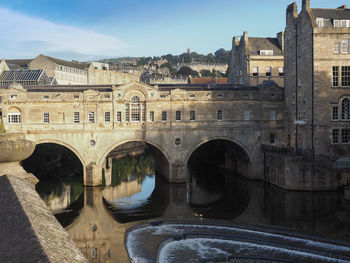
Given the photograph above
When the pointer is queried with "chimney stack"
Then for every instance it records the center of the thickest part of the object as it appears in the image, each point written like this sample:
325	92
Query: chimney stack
306	4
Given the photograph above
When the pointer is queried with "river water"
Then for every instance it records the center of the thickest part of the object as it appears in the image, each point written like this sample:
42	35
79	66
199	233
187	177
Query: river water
97	218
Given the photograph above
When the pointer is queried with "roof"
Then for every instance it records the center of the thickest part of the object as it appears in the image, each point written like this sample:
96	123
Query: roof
78	65
208	80
23	63
21	75
329	13
263	43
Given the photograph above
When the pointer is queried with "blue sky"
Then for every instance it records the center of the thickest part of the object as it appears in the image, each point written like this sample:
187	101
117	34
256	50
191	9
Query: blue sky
87	29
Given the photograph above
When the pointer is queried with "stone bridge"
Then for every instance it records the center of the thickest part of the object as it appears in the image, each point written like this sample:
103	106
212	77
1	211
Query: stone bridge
91	121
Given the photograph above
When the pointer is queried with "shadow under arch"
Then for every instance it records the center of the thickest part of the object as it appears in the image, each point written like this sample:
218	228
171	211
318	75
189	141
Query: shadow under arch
64	145
218	138
162	159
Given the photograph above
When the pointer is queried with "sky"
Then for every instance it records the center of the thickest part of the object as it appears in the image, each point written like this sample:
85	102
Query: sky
88	30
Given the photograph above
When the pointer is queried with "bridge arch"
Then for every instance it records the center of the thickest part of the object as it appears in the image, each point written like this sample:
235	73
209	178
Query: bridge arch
77	154
194	148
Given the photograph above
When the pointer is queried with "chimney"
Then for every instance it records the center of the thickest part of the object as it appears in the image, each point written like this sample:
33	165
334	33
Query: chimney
235	41
280	38
306	4
342	7
292	14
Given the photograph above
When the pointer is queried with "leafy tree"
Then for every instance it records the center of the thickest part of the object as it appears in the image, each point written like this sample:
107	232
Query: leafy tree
205	73
2	128
187	71
222	56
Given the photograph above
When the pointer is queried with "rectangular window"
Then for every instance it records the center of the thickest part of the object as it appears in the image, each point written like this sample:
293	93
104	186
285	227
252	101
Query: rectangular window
335	136
13	97
46	97
162	96
345	76
178	115
293	99
219	115
127	118
268	71
335	113
192	115
0	99
272	115
345	46
255	71
143	111
336	23
246	115
336	49
91	117
272	139
281	71
76	117
345	135
319	21
107	116
76	96
119	116
151	115
46	117
164	116
14	117
335	71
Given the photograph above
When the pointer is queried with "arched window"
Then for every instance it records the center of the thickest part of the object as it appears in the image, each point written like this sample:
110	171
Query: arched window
14	115
135	108
345	109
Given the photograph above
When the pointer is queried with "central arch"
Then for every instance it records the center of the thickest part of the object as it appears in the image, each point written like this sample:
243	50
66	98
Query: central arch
162	167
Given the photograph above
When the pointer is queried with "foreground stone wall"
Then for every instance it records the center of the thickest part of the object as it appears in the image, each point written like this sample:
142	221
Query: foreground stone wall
29	231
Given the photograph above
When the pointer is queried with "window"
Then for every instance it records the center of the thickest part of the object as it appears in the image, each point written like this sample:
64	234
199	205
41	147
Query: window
46	97
335	136
151	115
91	117
107	116
46	117
192	96
272	139
76	96
164	116
345	109
272	115
119	116
336	23
14	117
255	71
127	112
335	76
192	115
162	96
268	71
345	76
246	115
13	97
336	49
219	115
107	96
220	95
0	99
345	135
178	115
76	117
281	71
266	52
335	113
293	99
143	111
345	46
135	109
320	22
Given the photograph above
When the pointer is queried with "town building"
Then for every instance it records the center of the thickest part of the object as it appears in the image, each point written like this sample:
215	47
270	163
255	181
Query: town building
26	77
317	81
257	59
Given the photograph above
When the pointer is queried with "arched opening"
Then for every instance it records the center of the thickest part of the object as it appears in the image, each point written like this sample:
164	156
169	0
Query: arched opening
129	173
60	174
14	115
345	109
213	178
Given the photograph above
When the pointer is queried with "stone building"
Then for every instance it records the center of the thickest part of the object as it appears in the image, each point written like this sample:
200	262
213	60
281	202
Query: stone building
26	77
257	59
317	80
65	72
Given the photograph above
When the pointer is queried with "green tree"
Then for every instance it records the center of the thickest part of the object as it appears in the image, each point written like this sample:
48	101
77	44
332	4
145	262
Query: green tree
205	73
222	56
186	71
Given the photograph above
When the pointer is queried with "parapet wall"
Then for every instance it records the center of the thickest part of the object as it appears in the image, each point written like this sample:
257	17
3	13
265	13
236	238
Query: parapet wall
29	231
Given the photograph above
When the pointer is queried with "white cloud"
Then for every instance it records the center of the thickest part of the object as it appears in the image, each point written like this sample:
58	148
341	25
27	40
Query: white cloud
25	36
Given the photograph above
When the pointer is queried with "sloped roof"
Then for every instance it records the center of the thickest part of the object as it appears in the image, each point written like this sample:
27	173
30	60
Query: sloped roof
23	63
263	43
329	13
21	75
78	65
208	80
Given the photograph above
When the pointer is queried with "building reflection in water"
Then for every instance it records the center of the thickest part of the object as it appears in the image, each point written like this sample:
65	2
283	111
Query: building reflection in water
98	217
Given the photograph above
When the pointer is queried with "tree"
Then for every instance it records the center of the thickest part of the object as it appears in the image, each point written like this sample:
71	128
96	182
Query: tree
205	73
187	71
222	56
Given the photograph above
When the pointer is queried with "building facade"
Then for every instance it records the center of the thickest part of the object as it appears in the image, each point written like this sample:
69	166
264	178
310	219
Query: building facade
257	59
317	80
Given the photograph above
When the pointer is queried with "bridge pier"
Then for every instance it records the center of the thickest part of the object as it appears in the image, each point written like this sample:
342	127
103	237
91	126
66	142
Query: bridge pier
93	174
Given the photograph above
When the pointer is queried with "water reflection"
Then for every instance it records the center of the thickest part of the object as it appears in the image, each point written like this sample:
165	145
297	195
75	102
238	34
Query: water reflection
97	218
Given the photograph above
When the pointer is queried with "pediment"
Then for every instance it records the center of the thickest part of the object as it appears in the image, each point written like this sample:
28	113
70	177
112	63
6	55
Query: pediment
15	87
91	92
132	87
178	91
